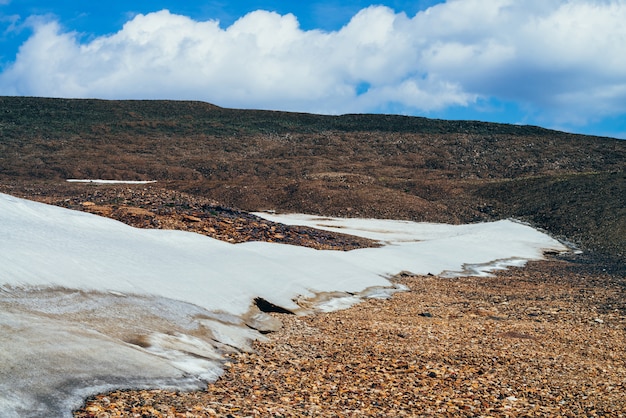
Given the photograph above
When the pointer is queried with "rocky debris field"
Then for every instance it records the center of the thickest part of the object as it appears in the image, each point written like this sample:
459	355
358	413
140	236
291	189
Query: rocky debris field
148	206
545	340
379	166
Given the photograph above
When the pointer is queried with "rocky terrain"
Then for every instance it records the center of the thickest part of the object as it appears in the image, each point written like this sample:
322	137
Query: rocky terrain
148	206
545	340
353	165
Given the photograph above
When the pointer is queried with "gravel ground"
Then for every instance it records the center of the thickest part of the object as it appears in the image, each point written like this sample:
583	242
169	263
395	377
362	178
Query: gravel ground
544	340
154	207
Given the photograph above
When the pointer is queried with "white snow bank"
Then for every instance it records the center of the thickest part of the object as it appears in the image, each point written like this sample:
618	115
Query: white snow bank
88	303
441	249
100	181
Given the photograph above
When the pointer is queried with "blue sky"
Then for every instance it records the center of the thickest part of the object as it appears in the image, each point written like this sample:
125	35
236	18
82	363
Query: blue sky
555	63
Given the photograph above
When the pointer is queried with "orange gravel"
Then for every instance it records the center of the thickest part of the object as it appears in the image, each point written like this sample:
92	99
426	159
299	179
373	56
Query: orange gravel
544	340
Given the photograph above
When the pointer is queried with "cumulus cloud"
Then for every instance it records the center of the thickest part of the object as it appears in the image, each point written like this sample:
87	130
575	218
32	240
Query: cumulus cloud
565	58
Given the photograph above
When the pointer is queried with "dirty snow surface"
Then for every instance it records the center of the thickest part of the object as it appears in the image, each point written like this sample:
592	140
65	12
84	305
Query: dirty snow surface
88	304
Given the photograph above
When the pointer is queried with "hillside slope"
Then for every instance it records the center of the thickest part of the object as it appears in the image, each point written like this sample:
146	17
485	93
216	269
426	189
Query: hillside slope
352	165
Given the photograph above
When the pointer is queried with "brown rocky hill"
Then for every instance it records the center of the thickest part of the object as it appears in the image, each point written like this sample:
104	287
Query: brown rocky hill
389	166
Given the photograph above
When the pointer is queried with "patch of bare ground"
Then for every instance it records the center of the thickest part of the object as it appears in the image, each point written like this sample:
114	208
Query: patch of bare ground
154	207
381	166
545	340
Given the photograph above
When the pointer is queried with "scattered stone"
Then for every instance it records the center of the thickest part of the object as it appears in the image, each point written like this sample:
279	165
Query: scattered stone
154	207
364	361
374	359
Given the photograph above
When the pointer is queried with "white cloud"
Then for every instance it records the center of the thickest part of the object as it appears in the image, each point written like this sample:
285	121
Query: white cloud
262	60
567	59
562	57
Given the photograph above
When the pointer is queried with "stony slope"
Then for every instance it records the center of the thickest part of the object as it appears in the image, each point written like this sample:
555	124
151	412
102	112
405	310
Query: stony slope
352	165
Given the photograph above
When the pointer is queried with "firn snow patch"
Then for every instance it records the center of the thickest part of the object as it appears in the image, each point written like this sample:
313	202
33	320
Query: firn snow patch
90	304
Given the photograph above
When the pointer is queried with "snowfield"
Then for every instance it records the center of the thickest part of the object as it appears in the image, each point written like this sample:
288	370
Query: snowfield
90	304
100	181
